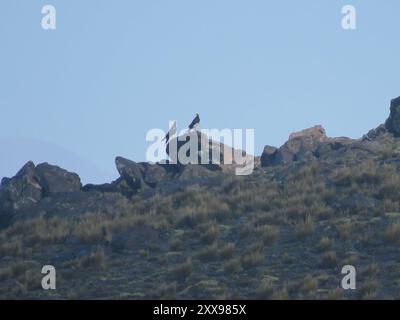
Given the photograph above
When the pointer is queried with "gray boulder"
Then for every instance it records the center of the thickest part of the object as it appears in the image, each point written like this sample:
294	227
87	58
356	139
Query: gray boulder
305	145
196	148
154	174
268	156
54	179
333	144
21	191
23	194
140	175
374	134
393	122
191	148
131	172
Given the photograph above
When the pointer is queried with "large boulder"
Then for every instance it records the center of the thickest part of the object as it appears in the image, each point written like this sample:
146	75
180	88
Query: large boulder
154	174
130	171
268	156
22	194
54	179
305	145
21	191
196	148
140	175
330	145
301	146
192	148
393	122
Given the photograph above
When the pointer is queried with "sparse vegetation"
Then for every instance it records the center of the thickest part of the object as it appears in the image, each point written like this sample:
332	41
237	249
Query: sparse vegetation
309	286
253	259
305	228
368	290
265	290
392	233
329	260
269	234
325	244
182	271
232	266
298	225
95	259
227	251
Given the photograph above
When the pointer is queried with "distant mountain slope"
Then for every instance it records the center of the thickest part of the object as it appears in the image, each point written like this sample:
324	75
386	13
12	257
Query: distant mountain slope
16	151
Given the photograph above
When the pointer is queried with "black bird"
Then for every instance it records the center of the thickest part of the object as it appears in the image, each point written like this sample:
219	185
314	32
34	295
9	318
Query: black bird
170	133
195	122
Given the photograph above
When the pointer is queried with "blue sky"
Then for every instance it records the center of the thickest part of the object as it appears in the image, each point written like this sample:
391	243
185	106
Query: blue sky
112	70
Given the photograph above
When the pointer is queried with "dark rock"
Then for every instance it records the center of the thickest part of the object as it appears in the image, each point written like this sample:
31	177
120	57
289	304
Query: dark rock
54	180
196	148
393	122
375	133
72	204
21	191
332	144
268	155
131	172
140	175
105	187
154	174
118	186
23	195
192	141
205	151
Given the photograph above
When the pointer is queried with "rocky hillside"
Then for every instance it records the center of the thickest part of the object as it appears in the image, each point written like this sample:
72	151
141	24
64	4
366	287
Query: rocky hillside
199	231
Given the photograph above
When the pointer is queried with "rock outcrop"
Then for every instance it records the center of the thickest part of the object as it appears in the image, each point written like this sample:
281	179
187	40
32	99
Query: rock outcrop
301	145
195	147
305	145
32	184
140	175
393	122
46	190
55	180
21	191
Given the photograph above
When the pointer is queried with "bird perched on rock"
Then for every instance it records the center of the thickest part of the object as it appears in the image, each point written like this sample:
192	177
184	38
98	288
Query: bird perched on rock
195	122
170	133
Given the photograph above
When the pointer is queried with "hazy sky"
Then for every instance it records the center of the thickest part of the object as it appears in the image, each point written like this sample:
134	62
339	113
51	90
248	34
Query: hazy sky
112	70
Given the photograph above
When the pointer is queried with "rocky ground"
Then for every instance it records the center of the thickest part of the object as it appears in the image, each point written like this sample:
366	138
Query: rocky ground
199	231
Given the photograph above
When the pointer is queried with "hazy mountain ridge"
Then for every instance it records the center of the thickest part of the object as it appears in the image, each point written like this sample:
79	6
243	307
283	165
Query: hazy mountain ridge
17	150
